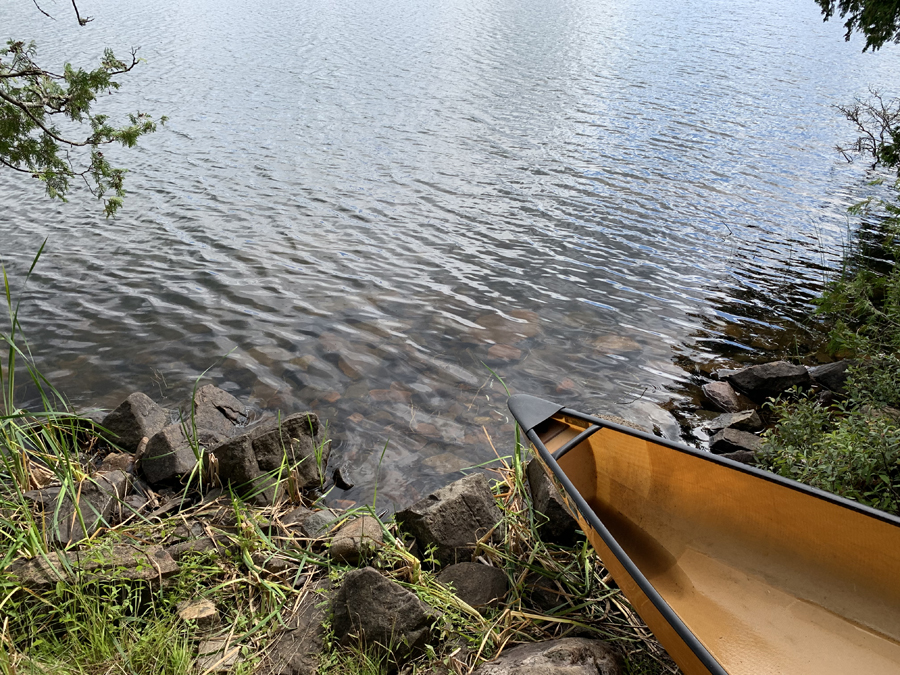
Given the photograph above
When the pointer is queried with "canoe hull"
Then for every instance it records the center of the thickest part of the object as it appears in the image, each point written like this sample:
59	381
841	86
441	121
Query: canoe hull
734	570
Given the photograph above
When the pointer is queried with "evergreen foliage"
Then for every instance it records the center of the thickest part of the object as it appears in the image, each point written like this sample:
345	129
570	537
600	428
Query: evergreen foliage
35	103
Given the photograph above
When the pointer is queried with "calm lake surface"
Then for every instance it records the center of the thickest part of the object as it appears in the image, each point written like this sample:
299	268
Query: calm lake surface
358	207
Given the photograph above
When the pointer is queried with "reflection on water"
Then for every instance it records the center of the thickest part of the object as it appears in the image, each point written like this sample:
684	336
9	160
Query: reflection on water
366	205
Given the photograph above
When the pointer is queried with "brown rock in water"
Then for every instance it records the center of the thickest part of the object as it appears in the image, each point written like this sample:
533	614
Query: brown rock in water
503	352
566	656
723	396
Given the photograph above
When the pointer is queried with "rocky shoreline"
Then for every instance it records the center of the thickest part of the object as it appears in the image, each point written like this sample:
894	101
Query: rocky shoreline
175	478
741	394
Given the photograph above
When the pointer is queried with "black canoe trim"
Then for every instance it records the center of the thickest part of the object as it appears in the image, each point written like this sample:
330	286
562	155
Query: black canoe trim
646	587
530	411
534	406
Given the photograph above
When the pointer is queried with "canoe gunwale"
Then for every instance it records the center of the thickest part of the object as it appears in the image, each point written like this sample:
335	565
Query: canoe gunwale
532	404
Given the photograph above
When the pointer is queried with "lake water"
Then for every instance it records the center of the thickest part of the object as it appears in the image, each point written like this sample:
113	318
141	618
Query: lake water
358	207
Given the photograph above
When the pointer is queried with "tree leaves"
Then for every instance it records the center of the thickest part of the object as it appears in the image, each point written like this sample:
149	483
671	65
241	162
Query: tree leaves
33	102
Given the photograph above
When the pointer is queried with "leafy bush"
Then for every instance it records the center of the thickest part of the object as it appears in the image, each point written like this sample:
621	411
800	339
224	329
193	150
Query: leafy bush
852	448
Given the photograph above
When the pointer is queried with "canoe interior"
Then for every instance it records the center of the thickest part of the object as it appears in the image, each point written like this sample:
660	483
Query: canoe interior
769	578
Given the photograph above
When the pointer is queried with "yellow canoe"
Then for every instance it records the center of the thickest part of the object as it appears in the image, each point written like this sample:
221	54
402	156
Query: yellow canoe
736	571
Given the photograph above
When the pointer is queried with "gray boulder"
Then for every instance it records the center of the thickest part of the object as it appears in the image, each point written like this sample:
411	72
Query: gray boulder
217	410
169	454
96	504
747	420
558	526
258	461
566	656
136	417
769	379
723	396
454	518
318	523
475	584
381	614
832	376
291	440
732	440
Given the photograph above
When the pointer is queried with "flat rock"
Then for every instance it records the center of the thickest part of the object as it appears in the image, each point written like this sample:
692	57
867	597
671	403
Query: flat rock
566	656
454	518
150	563
832	376
475	584
217	656
379	613
137	416
297	650
732	440
557	525
747	420
357	540
768	379
723	396
202	611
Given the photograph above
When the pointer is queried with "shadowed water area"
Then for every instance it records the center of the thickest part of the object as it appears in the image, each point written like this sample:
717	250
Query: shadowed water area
363	203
